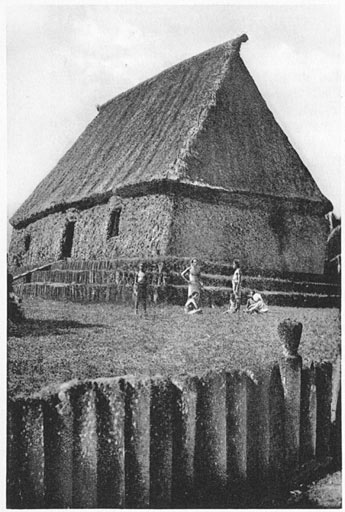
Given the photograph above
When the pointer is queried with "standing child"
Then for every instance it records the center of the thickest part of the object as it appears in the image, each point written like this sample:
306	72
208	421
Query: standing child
236	285
140	289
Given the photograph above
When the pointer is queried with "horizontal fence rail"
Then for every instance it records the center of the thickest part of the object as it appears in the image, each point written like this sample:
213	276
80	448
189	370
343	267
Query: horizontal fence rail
112	281
222	439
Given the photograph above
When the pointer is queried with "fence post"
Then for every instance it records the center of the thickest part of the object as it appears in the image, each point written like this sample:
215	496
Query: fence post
290	333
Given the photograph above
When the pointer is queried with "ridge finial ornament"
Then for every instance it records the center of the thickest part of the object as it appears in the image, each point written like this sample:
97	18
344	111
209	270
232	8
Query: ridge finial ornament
236	43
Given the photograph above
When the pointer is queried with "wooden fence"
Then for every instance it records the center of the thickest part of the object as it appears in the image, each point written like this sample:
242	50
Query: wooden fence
223	439
112	281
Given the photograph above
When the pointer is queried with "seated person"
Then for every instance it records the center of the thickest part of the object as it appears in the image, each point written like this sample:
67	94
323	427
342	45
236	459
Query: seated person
233	303
192	304
255	303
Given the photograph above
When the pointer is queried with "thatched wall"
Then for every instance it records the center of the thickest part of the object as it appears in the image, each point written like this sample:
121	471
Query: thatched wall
143	231
264	235
46	235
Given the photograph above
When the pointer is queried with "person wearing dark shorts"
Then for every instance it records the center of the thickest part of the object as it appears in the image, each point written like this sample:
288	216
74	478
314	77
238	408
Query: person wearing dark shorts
140	289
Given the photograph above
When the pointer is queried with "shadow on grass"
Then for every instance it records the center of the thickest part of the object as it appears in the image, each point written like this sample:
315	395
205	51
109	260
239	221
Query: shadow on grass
28	327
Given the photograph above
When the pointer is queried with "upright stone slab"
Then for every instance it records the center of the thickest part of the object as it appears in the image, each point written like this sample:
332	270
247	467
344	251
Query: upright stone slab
236	398
29	452
184	441
336	385
252	432
137	442
14	420
265	433
84	446
336	438
110	412
161	442
323	417
258	429
211	454
277	444
308	415
290	368
58	449
336	412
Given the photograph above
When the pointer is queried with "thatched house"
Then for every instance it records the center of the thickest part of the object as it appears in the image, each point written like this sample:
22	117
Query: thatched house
189	162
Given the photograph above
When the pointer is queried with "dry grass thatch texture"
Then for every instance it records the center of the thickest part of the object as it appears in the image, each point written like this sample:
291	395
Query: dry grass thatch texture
202	121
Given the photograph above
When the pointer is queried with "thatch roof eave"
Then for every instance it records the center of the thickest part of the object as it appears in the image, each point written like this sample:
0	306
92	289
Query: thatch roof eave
194	190
81	204
204	191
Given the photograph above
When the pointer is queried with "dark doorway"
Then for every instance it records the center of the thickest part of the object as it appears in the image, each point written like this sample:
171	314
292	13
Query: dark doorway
67	241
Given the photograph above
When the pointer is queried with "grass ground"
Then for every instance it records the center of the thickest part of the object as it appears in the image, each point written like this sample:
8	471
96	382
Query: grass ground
60	341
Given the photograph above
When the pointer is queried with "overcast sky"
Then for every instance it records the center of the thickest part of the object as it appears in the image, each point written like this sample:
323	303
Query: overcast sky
64	60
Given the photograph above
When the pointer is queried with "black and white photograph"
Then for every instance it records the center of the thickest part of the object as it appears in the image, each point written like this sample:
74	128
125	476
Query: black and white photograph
173	249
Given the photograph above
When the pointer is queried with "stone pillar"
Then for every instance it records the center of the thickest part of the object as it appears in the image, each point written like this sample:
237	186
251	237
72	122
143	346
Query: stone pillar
58	449
336	385
336	413
277	448
308	415
84	446
110	410
236	398
184	441
258	428
137	442
13	454
323	417
290	368
211	455
31	454
161	443
265	433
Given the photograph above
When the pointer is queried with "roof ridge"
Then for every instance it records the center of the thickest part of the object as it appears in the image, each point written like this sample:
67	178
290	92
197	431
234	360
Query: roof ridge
180	165
234	45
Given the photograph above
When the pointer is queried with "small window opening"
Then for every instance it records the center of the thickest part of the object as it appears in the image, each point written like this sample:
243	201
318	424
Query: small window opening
114	223
27	242
67	241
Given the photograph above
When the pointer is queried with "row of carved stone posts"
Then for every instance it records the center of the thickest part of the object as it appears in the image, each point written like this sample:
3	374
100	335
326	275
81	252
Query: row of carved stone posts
222	439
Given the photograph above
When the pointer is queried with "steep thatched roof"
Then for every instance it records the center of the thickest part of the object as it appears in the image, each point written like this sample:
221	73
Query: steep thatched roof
201	122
